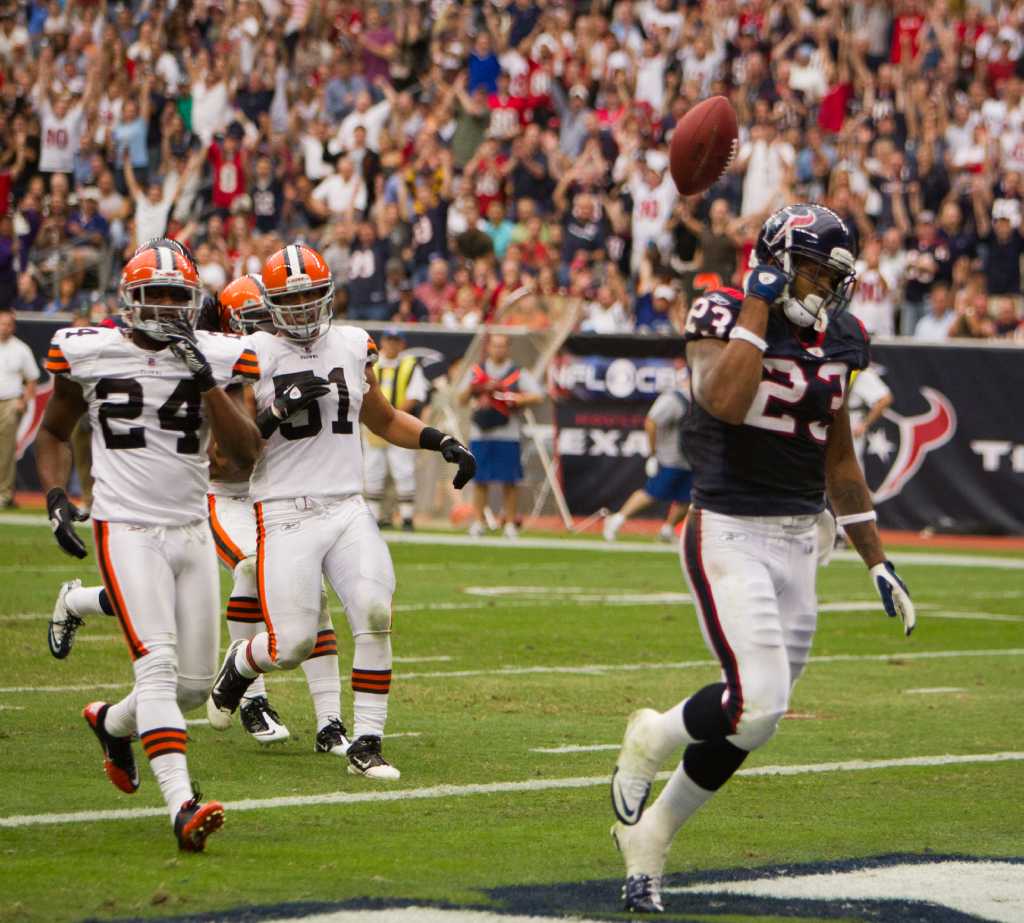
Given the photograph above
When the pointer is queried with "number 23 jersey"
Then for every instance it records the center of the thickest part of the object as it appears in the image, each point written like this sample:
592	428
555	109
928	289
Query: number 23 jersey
149	432
773	463
317	452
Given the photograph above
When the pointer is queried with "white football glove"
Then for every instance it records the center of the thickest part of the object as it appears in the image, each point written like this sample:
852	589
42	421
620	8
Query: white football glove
651	467
895	595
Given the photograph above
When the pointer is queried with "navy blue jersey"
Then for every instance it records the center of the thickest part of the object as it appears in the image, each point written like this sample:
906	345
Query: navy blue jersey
773	463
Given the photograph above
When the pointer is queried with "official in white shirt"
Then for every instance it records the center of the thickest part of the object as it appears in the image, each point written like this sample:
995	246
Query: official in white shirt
18	374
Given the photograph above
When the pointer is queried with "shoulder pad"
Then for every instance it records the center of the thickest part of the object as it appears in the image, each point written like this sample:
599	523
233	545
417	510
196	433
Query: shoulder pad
713	315
359	341
72	345
231	357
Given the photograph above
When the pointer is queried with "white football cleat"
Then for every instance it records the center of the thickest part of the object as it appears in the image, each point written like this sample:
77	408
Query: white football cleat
63	624
365	759
644	855
511	532
639	760
261	721
228	689
666	534
612	525
476	529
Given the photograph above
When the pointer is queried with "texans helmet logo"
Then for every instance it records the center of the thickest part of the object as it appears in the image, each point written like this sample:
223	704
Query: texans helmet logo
918	435
794	219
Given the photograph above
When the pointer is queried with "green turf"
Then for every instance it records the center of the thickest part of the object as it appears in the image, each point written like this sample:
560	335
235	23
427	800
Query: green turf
480	729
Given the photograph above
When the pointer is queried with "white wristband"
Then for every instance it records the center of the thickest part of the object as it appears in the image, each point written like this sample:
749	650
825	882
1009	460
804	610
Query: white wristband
853	518
741	333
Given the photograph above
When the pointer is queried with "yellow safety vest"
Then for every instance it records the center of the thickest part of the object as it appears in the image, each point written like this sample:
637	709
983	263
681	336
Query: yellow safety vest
394	382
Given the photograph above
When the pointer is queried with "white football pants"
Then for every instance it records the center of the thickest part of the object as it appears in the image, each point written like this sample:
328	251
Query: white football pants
753	584
233	525
298	541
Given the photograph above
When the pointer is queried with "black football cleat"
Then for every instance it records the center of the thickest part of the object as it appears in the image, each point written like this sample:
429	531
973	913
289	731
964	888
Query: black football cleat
365	759
195	822
408	526
332	738
228	689
642	894
118	758
261	721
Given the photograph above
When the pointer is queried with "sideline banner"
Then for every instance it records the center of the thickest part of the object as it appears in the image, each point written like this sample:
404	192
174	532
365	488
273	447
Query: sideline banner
948	455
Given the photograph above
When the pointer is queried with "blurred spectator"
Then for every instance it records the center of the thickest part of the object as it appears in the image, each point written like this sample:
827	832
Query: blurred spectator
18	375
69	299
516	131
30	297
873	302
938	322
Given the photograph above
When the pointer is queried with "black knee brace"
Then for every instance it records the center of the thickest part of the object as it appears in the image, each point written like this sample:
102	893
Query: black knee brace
711	763
704	716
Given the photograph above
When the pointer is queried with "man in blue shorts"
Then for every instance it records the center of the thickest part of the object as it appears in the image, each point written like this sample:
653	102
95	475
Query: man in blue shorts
668	470
499	390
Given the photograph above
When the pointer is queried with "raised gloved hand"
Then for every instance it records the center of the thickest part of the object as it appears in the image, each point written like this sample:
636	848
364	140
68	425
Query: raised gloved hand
768	283
294	398
183	344
651	467
895	595
63	516
455	453
452	451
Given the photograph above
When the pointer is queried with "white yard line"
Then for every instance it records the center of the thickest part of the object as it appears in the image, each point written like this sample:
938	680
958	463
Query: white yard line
934	690
578	748
568	544
496	788
595	669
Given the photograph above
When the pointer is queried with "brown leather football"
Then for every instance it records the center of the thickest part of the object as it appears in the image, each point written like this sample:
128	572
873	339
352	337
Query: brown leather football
703	145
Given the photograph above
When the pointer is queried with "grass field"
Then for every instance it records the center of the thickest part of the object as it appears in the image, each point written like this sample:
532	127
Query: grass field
503	653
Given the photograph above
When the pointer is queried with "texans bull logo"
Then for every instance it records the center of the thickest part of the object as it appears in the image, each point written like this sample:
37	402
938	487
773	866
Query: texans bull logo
794	219
915	435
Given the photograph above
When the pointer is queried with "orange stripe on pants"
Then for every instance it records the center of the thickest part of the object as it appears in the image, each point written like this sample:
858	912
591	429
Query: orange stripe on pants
261	556
101	530
227	550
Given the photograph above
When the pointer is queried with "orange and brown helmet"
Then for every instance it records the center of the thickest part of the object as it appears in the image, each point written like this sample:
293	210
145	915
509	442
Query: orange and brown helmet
160	290
242	305
300	292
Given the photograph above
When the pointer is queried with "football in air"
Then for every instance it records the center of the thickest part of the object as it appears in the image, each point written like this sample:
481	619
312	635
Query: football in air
703	145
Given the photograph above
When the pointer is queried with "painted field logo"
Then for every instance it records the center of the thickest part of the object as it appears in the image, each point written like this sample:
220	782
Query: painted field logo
929	889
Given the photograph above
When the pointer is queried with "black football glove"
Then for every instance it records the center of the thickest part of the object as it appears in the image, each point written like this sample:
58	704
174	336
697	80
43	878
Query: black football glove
294	398
63	516
455	453
185	347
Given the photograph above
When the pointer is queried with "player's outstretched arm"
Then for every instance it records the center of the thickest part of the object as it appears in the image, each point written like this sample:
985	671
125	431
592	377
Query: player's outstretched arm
851	500
403	429
53	461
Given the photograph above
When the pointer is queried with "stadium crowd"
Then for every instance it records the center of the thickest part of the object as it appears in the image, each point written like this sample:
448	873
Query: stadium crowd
504	161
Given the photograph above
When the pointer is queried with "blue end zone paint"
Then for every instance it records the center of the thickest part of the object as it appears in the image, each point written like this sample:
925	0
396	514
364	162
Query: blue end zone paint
600	899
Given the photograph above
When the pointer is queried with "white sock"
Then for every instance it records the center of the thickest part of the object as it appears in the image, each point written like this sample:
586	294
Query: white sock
171	771
120	717
324	681
244	631
257	652
85	600
672	730
678	802
406	508
371	683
